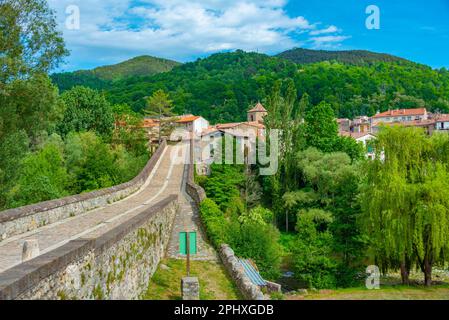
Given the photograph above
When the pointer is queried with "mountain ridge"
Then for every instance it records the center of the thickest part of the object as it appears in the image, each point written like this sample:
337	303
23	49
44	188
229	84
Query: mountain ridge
352	57
102	77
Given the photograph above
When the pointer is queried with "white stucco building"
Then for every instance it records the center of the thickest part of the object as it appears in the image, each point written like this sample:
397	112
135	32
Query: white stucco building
193	124
442	123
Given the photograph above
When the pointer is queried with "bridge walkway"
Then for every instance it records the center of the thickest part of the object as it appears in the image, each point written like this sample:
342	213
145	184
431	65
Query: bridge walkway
166	179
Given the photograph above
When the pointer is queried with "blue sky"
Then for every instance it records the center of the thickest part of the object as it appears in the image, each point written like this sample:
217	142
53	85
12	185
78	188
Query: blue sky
115	30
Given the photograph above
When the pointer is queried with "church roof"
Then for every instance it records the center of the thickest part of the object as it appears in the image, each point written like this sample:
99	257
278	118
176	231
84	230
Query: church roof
258	108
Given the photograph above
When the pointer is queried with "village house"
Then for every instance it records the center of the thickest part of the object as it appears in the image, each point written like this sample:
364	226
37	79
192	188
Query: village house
363	138
245	132
363	129
191	123
442	122
344	125
361	124
400	115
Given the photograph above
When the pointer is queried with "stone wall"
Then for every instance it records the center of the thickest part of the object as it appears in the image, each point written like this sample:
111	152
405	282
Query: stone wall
193	190
116	265
235	269
23	219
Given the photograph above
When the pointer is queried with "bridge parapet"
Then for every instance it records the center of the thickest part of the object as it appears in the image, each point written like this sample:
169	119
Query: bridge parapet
114	265
20	220
193	190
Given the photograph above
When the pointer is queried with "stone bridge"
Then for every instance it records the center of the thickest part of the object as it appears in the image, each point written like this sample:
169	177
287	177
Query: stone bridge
105	244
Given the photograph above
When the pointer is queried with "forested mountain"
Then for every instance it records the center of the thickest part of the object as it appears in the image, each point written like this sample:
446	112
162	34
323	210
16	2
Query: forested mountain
223	86
353	57
102	77
138	66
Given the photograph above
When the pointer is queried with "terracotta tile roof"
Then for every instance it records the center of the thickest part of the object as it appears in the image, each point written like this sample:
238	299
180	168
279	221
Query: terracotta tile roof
442	117
187	119
228	125
414	123
150	123
258	108
355	135
209	130
401	112
255	124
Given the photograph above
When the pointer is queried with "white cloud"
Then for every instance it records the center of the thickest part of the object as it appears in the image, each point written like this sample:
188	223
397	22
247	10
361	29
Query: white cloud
114	30
331	29
328	42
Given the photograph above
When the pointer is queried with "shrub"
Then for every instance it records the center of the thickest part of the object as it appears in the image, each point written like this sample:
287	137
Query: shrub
312	252
42	176
214	221
260	243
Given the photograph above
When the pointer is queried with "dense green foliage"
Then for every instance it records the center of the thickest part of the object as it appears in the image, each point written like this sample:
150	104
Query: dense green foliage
138	66
312	250
86	110
406	201
223	86
317	178
42	176
228	220
354	57
29	47
103	77
82	162
29	41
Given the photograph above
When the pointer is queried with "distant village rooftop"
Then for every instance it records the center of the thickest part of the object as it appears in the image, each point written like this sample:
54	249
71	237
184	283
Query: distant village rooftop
188	118
401	112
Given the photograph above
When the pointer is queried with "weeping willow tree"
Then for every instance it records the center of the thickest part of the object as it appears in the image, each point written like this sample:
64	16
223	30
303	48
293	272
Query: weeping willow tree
405	201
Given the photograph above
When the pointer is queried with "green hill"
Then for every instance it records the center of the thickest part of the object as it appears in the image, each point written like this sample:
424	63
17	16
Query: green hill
139	66
102	77
353	57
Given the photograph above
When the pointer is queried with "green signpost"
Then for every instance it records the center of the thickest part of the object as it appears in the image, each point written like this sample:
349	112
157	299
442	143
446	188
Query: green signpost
192	239
187	246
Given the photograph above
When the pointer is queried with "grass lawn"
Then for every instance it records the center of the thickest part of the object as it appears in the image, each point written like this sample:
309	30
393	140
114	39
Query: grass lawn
214	281
384	293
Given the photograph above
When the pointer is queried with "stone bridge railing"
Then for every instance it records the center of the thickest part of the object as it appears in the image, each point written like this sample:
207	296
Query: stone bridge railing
115	265
193	190
24	219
